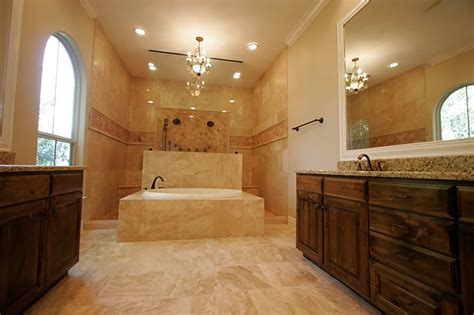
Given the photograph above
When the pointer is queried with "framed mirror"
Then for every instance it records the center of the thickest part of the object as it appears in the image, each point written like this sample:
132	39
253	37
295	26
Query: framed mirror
10	25
407	78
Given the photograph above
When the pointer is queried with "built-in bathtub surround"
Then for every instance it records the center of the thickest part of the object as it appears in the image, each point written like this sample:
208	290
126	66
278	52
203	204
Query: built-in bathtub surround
462	164
191	130
145	217
7	157
193	169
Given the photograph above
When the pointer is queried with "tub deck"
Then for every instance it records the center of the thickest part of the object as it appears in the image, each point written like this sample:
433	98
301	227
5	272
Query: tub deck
145	218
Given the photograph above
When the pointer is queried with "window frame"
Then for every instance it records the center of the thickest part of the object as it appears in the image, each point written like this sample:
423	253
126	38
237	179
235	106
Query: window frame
437	130
68	46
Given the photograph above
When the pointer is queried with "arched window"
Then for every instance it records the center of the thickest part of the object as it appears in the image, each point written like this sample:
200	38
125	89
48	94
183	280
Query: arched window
58	110
456	114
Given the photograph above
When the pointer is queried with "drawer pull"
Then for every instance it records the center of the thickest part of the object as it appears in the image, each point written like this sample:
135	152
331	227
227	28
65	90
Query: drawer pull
403	257
401	226
400	196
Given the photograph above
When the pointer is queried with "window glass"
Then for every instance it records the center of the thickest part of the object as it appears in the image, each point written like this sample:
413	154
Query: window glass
457	114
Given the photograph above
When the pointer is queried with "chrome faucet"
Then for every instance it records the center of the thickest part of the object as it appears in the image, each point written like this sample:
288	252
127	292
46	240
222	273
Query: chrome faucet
154	182
369	163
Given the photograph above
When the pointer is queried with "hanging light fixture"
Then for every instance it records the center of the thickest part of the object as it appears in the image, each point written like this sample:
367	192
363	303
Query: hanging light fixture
198	64
357	80
195	87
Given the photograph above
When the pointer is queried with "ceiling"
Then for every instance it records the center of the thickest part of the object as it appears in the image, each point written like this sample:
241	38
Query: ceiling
411	33
226	25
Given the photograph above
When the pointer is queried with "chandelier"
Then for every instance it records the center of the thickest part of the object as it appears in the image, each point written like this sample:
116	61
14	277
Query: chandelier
198	65
357	80
195	87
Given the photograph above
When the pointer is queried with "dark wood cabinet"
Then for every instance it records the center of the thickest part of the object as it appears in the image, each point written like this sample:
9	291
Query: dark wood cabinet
63	232
21	253
346	246
407	245
39	235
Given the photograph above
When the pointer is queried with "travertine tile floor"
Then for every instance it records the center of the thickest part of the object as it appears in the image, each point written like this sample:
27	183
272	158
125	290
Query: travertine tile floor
254	275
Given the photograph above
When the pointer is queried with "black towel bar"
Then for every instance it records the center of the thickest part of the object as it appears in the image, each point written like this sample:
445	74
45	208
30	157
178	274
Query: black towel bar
297	128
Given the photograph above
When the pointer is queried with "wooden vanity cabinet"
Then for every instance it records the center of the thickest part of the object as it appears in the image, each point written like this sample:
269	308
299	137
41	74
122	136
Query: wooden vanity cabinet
39	234
465	197
346	248
309	228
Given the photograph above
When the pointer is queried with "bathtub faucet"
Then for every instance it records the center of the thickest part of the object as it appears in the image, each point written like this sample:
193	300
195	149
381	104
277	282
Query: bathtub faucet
154	182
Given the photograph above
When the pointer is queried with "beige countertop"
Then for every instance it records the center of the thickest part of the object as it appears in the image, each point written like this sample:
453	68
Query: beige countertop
12	168
463	176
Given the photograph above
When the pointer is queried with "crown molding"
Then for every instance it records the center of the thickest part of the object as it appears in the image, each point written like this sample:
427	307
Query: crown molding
89	8
305	21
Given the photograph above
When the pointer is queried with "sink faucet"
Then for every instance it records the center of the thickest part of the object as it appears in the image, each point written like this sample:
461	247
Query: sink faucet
154	182
369	163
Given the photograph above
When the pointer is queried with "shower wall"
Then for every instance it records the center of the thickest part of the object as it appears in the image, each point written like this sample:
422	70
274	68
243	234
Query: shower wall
191	130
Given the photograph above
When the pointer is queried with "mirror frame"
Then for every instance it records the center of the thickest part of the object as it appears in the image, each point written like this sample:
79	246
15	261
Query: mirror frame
428	148
13	54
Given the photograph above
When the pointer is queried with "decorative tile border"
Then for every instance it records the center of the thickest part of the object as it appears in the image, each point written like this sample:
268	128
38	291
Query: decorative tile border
7	157
276	132
106	126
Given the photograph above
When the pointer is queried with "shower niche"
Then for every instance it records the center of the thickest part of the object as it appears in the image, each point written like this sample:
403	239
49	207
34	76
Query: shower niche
191	130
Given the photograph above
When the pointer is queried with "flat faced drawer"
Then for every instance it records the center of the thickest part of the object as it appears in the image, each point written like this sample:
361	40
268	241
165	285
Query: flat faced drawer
63	183
429	232
309	196
466	204
395	293
352	189
22	188
429	199
422	264
309	183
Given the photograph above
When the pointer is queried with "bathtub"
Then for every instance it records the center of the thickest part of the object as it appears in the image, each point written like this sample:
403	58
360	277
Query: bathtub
189	213
192	193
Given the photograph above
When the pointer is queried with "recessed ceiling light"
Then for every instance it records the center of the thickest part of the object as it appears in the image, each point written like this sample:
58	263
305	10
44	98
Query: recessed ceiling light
237	75
393	65
148	90
150	102
224	111
140	31
193	108
232	101
191	116
153	68
151	64
252	46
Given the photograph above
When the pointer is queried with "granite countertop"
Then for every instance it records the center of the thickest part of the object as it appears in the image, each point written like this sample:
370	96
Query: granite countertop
11	168
465	176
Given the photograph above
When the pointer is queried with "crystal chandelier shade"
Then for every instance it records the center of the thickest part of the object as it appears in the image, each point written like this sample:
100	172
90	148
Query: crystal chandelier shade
198	64
357	80
195	87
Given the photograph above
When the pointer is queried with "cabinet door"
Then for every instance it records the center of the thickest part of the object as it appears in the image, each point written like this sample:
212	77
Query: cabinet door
346	242
310	227
21	254
63	235
466	246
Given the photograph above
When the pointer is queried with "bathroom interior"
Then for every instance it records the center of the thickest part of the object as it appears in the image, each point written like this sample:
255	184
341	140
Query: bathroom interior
236	157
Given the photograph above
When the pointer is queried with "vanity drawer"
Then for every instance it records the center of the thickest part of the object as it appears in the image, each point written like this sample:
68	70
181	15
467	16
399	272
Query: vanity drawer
309	196
427	266
352	189
433	233
309	183
15	189
63	183
395	293
429	199
466	204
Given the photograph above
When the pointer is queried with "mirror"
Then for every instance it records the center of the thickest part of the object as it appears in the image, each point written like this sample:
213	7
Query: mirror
409	72
5	18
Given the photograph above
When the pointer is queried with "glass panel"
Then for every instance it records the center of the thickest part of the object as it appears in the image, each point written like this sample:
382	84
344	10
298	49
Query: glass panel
63	153
45	152
454	120
57	91
470	101
5	18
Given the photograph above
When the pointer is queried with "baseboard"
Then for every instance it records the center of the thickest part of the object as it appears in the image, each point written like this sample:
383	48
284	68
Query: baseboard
100	224
291	221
